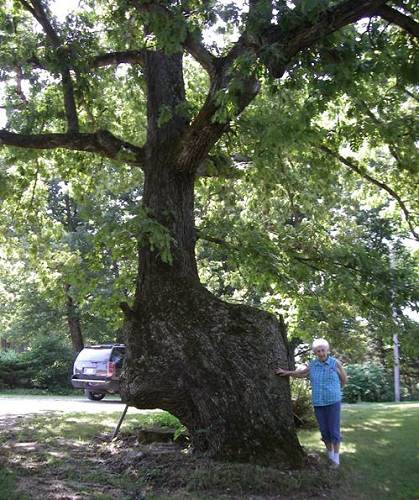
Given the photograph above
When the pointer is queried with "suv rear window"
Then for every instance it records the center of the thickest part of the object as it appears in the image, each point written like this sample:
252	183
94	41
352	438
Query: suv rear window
89	354
118	355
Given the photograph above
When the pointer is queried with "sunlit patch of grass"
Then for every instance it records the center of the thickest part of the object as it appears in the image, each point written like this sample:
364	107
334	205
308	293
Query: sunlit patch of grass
247	479
163	419
82	426
8	486
379	449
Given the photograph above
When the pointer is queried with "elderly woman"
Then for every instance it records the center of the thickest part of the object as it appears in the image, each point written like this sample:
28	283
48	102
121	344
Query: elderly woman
327	376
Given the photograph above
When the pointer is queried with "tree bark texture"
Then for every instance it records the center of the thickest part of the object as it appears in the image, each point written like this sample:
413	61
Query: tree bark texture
73	318
208	362
73	321
212	364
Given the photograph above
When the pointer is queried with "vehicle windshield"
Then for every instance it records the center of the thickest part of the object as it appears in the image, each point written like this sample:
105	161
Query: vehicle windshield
89	354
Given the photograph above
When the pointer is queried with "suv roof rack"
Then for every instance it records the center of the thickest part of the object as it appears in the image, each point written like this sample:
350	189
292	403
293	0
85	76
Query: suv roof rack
100	346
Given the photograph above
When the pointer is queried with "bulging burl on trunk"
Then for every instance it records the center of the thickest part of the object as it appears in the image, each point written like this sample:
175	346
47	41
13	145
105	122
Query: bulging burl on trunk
211	364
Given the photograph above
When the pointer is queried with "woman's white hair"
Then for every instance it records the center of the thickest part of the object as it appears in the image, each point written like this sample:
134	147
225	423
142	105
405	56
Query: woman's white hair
320	343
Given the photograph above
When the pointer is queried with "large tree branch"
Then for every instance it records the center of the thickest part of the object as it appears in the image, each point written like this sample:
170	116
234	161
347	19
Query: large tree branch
115	58
194	45
294	33
404	22
258	22
37	10
276	45
101	142
206	128
352	165
98	61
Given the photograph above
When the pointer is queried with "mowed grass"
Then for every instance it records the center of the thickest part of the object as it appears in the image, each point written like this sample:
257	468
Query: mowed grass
380	450
70	455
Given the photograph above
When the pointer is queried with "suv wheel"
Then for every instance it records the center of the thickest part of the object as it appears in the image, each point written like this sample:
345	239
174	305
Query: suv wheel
94	396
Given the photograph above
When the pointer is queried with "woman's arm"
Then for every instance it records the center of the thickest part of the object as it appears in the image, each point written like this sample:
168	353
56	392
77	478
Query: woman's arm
301	373
341	372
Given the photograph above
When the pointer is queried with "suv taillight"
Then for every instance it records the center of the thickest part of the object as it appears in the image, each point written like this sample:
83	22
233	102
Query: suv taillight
111	369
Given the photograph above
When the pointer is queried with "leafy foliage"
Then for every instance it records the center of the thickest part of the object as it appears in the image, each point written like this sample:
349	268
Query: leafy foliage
47	365
301	404
368	382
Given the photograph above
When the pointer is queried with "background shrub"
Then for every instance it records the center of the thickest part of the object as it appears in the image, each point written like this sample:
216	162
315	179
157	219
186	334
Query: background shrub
15	370
368	382
47	365
301	404
52	363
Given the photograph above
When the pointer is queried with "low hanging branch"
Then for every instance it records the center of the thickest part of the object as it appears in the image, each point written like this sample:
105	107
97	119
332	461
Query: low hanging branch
101	60
101	142
356	168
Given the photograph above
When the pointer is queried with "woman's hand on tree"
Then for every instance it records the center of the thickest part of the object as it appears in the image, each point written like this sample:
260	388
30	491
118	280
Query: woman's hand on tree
282	372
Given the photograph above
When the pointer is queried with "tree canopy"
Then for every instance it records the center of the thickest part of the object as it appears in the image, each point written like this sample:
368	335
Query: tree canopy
330	148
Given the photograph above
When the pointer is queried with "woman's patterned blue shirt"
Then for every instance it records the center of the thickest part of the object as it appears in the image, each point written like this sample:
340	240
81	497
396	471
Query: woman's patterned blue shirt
325	382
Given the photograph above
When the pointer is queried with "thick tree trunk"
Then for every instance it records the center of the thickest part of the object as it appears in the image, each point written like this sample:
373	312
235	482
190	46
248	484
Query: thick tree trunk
211	364
208	362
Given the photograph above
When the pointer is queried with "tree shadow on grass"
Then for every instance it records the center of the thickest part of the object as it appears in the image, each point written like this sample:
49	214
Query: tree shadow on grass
71	456
56	456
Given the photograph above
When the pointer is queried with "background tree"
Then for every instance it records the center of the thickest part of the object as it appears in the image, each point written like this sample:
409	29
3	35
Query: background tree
95	260
207	361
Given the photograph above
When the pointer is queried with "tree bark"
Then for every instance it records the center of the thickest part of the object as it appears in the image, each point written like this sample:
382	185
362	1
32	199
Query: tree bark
211	364
73	318
73	321
206	361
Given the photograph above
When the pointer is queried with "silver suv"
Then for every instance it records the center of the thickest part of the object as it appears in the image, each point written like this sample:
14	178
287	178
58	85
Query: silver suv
97	369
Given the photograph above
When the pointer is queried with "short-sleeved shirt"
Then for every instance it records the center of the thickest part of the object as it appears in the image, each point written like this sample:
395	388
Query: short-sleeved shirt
325	382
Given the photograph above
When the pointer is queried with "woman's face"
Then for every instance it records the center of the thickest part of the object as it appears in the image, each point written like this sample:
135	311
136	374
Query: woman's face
321	352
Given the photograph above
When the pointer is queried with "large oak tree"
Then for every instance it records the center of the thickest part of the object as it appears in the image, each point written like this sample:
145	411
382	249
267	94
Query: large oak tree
207	361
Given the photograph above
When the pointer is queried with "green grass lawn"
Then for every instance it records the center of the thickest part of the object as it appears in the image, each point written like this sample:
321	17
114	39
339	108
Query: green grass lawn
380	450
68	391
70	454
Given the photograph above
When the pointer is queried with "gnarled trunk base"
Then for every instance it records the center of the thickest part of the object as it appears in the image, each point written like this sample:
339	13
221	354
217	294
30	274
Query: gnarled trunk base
212	364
